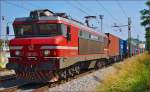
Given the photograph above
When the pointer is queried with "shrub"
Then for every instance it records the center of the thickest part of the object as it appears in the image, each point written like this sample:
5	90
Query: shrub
133	75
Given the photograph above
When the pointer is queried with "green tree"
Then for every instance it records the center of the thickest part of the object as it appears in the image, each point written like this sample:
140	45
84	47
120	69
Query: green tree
146	23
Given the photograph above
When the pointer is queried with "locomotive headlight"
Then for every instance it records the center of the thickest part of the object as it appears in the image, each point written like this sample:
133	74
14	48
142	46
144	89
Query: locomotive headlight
46	52
17	53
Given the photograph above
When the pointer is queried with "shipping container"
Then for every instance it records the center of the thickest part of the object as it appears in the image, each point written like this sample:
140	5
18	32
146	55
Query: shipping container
122	48
141	47
125	51
113	47
134	50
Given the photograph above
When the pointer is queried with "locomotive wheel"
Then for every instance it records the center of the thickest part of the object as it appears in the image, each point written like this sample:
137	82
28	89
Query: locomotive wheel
63	74
71	72
99	64
77	69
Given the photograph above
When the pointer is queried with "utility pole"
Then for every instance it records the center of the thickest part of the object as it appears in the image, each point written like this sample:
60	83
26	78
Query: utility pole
4	39
138	42
129	34
101	18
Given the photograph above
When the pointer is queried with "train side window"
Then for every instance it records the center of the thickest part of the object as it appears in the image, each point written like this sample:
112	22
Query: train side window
89	35
94	37
101	38
80	33
64	29
98	38
86	35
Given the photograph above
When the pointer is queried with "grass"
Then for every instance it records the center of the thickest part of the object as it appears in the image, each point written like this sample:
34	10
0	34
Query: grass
132	75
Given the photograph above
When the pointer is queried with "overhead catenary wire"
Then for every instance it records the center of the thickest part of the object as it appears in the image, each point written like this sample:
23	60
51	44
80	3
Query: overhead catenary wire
101	5
88	9
81	10
33	5
16	5
122	9
27	9
85	8
124	12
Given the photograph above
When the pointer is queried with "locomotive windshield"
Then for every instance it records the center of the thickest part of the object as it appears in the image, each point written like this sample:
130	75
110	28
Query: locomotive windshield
22	30
37	30
48	29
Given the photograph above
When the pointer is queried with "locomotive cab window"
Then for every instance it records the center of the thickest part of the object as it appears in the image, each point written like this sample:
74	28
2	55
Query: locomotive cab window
37	30
49	29
23	30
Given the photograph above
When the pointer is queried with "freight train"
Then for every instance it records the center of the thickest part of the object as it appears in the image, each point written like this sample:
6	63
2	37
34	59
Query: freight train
51	46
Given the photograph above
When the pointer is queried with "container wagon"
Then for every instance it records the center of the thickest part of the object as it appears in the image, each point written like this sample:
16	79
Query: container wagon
122	49
113	47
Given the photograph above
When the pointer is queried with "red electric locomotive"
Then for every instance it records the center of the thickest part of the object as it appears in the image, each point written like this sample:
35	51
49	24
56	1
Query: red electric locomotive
51	46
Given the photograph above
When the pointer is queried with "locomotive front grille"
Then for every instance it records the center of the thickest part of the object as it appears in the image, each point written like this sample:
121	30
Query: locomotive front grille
31	54
37	77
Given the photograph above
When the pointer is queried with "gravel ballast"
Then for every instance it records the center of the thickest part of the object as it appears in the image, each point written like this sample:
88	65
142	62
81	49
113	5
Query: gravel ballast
87	83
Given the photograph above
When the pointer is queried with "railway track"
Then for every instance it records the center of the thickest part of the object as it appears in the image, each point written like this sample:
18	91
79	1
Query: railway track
14	88
10	89
46	86
42	88
7	77
9	83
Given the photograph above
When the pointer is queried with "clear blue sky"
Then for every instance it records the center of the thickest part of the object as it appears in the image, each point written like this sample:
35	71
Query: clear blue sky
113	12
